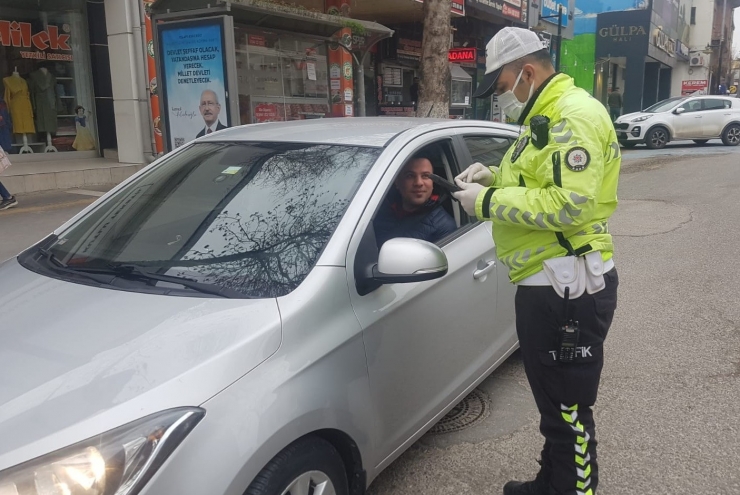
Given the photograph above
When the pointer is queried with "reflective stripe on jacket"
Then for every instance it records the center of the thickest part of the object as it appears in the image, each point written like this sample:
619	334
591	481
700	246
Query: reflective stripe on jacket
555	201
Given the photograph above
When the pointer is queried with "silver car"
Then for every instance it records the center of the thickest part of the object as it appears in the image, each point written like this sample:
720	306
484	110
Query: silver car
699	118
224	322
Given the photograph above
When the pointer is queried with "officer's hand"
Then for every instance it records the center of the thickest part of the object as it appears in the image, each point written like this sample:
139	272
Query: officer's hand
478	173
468	195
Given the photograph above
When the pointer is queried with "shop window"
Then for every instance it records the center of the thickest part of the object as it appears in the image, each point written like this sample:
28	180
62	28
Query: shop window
47	97
281	77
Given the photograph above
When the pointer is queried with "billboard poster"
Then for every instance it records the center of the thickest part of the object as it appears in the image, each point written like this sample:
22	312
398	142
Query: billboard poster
550	10
193	66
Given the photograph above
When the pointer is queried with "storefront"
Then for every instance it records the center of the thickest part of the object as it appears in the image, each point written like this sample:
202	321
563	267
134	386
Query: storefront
252	62
47	102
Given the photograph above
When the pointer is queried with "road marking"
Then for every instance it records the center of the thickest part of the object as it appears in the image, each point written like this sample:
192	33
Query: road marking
55	206
85	192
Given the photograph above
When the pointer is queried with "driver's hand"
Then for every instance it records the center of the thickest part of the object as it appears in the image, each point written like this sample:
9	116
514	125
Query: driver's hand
477	173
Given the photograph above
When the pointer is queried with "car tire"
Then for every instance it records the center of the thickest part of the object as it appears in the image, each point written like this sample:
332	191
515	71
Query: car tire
731	136
657	138
628	145
308	462
701	142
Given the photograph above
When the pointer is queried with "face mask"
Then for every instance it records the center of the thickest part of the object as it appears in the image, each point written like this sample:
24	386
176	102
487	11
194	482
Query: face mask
510	104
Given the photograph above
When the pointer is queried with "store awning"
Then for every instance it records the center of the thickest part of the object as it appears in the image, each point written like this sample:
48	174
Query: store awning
276	16
458	73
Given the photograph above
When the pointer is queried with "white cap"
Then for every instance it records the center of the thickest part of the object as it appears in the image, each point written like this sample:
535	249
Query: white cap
509	44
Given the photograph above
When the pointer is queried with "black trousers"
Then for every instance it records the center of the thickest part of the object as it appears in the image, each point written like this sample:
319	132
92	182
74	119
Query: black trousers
565	392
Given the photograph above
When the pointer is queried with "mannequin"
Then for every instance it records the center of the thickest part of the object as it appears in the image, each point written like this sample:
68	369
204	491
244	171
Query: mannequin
42	84
21	112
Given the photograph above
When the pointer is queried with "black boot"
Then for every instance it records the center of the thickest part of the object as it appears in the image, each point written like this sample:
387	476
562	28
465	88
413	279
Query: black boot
538	486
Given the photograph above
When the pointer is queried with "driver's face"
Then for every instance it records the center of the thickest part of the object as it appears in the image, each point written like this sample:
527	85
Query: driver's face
209	107
414	183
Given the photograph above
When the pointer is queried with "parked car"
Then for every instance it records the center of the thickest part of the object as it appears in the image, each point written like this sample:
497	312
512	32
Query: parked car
699	118
223	322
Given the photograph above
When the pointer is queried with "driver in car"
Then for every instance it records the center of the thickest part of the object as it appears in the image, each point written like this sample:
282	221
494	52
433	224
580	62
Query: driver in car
412	208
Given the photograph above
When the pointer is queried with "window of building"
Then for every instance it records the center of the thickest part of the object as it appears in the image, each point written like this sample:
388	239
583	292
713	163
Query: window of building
46	93
280	77
693	15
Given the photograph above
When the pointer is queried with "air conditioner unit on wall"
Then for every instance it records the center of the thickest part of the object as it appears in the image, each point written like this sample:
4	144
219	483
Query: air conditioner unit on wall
697	60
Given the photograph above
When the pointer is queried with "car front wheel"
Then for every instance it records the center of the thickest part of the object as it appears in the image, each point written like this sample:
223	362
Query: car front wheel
657	138
731	136
309	466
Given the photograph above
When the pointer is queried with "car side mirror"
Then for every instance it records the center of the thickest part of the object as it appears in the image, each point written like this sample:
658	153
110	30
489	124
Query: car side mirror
403	260
679	110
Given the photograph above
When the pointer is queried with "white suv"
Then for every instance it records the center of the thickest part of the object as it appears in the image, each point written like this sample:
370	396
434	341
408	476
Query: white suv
699	118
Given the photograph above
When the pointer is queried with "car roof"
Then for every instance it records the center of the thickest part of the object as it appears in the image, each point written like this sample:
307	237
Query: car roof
355	131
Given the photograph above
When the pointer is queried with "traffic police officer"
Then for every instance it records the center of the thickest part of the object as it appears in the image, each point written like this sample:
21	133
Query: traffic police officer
549	202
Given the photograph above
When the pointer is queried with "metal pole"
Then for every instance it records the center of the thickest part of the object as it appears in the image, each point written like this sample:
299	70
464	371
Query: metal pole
721	44
560	37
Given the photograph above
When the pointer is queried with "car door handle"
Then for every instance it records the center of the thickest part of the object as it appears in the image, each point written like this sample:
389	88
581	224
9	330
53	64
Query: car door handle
490	266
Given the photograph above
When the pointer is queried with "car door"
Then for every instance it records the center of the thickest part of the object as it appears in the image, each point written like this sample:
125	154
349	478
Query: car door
426	342
688	124
715	114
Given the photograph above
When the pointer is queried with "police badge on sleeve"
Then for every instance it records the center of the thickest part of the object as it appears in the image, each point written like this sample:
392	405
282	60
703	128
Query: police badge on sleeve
577	159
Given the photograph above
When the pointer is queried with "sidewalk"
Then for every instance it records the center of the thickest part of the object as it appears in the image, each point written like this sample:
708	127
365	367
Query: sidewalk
22	177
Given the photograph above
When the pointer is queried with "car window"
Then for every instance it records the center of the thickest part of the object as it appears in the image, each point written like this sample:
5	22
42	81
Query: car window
715	104
434	220
664	105
692	106
488	150
253	217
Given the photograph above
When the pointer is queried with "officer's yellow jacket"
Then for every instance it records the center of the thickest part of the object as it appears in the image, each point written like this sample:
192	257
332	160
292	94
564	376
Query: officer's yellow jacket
555	201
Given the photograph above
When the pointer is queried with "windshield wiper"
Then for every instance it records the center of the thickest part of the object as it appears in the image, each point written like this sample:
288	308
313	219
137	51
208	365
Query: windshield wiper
133	271
61	266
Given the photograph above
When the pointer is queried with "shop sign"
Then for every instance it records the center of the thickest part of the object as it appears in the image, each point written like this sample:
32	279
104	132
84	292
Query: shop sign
622	34
682	51
550	8
501	8
663	41
193	69
694	86
459	55
458	6
408	49
265	112
21	35
256	40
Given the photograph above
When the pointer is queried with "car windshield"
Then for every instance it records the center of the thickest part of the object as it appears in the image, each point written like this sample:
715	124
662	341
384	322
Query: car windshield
665	105
249	217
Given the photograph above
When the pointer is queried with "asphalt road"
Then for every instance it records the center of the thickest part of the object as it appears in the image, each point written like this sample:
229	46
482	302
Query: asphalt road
667	412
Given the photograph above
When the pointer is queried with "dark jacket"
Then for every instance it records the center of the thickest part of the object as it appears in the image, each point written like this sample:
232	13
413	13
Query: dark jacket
202	132
431	223
614	99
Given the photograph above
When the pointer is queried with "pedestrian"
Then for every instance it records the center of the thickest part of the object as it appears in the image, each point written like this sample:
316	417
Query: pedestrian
549	202
8	200
614	100
414	92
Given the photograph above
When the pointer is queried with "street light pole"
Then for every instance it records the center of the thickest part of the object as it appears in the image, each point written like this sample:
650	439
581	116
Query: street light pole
721	44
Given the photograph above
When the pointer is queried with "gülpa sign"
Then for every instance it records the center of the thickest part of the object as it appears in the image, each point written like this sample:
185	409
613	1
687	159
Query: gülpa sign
619	34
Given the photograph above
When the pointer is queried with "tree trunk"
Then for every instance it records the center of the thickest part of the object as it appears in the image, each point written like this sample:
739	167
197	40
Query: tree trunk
434	84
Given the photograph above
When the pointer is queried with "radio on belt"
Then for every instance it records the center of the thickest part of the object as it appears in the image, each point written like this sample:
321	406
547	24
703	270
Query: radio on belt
540	130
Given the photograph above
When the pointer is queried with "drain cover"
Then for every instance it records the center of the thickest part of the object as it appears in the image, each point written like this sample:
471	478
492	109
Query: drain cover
469	412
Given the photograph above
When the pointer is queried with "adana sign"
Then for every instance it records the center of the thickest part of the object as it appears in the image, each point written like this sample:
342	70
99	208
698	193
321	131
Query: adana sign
457	55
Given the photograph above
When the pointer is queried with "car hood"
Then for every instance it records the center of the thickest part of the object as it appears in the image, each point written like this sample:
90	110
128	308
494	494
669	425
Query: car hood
80	360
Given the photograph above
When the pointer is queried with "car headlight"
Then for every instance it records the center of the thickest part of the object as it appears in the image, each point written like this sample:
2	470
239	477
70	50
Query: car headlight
119	462
642	118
